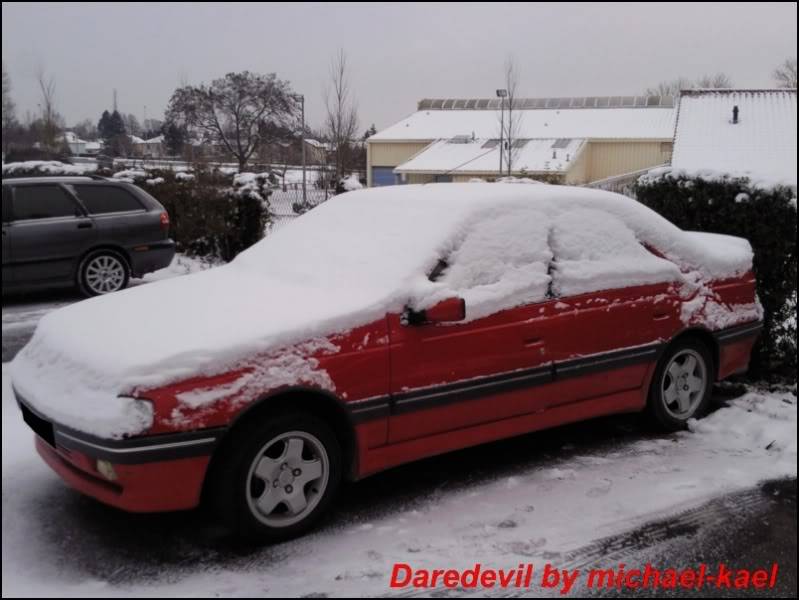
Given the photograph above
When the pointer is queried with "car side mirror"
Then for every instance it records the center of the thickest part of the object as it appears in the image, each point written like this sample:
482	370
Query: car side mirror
450	310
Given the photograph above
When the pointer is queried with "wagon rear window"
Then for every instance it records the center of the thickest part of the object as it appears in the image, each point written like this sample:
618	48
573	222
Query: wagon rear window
100	199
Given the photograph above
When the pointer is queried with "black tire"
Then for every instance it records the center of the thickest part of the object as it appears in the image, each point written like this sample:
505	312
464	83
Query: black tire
664	410
234	485
117	262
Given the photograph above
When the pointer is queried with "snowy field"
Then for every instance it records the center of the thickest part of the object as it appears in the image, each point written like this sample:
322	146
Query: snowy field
543	500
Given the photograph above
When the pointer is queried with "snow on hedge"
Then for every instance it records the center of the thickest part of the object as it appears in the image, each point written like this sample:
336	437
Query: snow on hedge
46	167
351	183
346	263
755	180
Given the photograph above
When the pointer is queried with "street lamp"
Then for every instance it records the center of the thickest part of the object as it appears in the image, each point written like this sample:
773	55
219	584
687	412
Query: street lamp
501	94
301	99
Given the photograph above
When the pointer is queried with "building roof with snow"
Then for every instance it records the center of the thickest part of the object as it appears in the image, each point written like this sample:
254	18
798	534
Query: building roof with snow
608	117
479	156
738	131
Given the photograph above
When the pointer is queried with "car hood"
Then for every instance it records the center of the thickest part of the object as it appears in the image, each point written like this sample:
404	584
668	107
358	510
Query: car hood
84	356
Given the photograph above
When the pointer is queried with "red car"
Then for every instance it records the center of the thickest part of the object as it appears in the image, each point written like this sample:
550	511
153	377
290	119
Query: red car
384	326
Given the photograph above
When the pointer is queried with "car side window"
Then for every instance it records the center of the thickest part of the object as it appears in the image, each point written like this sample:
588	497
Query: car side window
42	202
103	199
594	250
502	261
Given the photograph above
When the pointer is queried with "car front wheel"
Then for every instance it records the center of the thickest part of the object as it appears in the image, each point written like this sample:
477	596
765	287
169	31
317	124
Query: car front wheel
681	386
103	272
279	478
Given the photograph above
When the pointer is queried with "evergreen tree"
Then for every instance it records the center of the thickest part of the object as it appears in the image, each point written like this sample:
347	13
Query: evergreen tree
369	132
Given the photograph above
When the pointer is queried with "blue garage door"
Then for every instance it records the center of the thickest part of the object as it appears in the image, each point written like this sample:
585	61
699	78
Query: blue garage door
383	176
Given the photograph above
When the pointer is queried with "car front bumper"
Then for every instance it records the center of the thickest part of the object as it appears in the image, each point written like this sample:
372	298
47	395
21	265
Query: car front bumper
155	473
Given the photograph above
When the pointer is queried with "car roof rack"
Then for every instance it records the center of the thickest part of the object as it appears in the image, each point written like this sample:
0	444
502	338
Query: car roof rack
96	177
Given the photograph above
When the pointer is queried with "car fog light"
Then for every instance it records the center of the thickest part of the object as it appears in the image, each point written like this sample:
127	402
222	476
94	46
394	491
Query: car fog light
106	469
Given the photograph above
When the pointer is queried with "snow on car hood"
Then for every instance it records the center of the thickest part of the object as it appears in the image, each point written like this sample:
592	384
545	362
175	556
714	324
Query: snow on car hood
343	264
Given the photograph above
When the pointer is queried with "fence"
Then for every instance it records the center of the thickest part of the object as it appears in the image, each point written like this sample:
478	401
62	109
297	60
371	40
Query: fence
286	203
621	184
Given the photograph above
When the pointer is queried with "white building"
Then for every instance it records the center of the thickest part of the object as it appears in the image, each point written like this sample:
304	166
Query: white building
738	131
573	140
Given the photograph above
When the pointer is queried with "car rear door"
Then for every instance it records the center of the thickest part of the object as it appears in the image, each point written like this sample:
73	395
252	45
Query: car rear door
615	300
48	233
450	376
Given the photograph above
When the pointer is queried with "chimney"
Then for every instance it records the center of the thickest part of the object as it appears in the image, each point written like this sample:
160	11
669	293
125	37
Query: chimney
554	154
735	115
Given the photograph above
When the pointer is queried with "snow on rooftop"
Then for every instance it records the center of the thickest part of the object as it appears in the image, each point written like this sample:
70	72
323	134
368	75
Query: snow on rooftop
600	123
482	156
762	143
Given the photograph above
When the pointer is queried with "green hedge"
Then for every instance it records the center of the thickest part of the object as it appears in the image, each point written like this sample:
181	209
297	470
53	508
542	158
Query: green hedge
766	216
209	216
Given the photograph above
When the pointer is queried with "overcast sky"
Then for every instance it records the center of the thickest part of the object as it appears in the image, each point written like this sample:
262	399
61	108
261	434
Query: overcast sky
398	53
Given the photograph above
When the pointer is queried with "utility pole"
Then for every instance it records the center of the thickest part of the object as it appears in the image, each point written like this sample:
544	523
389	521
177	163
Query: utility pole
501	94
301	99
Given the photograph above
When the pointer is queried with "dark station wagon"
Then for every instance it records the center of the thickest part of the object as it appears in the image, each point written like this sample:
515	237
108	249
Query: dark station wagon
90	232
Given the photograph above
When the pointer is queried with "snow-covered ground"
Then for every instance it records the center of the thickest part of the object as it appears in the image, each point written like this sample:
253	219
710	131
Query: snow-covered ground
536	508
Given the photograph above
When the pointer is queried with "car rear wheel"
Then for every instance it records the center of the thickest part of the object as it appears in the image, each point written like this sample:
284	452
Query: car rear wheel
278	478
103	272
682	385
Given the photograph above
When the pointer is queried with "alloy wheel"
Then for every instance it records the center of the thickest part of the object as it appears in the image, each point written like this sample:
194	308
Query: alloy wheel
683	384
105	273
287	478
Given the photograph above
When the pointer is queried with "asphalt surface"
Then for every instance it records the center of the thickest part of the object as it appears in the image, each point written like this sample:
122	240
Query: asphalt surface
751	529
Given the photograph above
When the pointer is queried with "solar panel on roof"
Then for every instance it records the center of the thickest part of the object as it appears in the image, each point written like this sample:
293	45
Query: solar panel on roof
447	104
460	104
471	103
562	143
490	144
493	103
628	101
436	104
482	103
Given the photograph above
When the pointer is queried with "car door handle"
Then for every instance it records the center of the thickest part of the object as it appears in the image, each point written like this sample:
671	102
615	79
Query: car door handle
84	225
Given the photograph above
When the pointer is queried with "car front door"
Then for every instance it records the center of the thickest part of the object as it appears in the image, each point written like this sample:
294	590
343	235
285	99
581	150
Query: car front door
497	363
48	233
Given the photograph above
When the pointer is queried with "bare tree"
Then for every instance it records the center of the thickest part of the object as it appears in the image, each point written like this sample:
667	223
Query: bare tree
9	111
513	118
341	121
785	74
717	81
50	116
232	110
672	87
